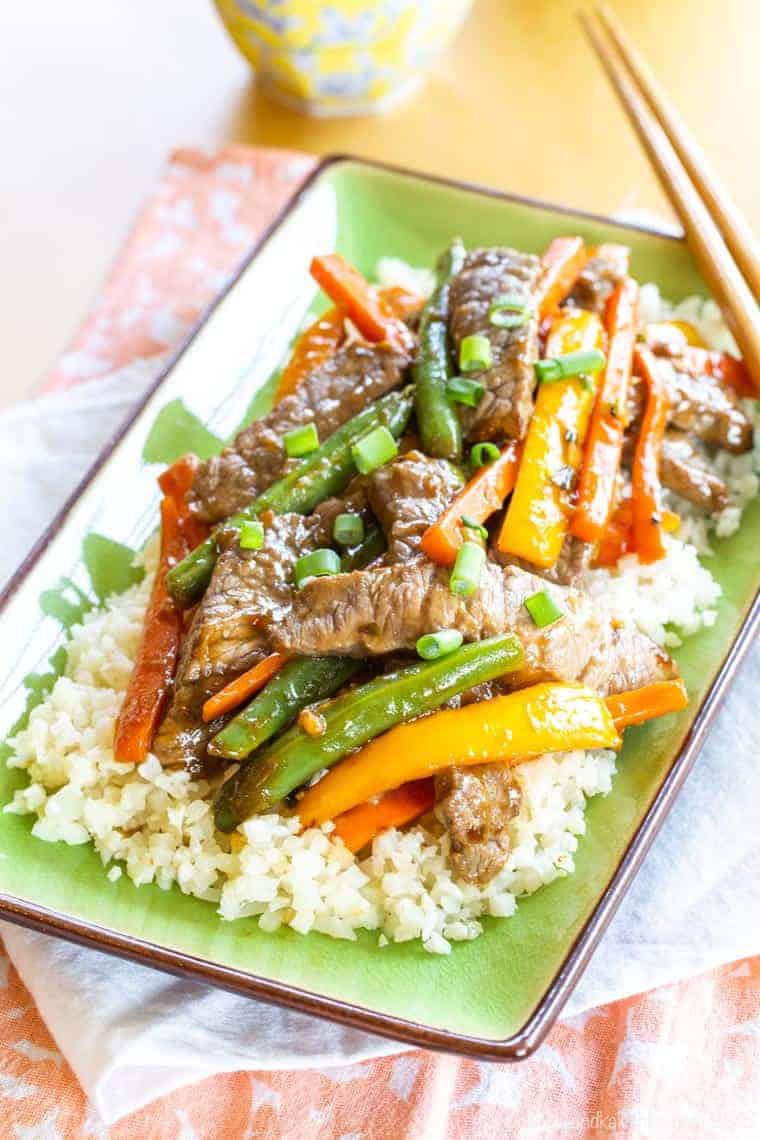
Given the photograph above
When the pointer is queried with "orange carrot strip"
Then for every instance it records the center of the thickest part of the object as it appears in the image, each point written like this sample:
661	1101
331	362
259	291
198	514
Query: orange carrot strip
346	287
479	499
359	825
315	345
638	705
645	479
243	687
322	338
561	265
604	444
150	683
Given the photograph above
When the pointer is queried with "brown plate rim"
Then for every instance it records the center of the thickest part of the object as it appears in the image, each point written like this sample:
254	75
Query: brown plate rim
526	1040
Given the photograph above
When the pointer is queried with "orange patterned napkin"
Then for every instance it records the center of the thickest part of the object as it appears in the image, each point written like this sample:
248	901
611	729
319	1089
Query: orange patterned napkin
678	1061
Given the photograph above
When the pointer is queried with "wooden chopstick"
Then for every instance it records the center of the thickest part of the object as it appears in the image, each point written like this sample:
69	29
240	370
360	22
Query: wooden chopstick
704	239
733	226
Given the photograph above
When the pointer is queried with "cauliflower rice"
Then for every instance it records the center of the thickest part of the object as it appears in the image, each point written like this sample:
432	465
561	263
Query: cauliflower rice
157	825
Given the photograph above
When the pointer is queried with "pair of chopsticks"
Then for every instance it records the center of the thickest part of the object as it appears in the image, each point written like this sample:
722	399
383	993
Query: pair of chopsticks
714	227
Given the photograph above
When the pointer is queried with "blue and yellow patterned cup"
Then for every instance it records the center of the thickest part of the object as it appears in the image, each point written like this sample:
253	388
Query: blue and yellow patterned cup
341	57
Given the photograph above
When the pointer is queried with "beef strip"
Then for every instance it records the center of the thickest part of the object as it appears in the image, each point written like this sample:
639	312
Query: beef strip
340	388
407	495
506	407
227	635
685	469
388	608
700	405
601	274
476	805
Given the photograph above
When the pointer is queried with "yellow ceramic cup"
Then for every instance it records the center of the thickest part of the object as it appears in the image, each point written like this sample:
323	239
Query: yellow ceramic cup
341	57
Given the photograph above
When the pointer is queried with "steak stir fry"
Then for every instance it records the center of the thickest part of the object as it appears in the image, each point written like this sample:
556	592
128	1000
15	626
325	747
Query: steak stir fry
391	612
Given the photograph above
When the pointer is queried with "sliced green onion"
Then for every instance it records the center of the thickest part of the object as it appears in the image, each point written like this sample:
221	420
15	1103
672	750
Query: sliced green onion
433	645
571	436
543	609
483	453
318	564
373	450
475	526
468	567
509	311
348	530
301	441
251	535
571	364
464	391
475	353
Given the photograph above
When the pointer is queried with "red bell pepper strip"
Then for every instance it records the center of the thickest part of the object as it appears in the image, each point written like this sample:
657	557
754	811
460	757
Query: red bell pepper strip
153	672
720	366
645	479
150	684
604	443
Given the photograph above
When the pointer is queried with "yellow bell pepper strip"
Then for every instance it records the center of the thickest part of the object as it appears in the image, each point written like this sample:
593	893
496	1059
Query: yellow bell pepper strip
646	703
346	287
561	265
359	826
645	478
540	509
481	497
604	446
671	337
543	718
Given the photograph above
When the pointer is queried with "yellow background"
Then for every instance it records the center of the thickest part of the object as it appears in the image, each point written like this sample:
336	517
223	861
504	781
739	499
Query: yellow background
93	93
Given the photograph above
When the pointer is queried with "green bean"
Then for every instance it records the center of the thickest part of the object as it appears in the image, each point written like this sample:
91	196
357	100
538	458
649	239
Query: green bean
371	547
437	420
352	718
323	473
298	684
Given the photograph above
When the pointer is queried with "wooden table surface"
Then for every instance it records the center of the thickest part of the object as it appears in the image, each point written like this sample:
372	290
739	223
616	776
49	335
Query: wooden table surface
94	95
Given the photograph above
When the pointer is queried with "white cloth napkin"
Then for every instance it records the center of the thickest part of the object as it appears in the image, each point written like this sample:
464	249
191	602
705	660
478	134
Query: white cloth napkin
695	904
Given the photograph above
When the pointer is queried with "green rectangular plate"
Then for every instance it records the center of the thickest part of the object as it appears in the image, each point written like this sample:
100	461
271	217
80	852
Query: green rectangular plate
495	997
